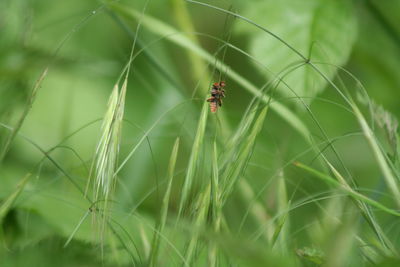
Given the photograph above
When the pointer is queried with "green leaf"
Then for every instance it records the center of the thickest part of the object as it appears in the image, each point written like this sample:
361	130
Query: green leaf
325	28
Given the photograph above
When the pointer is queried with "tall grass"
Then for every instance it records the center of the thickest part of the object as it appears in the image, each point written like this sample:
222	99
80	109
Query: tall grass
221	205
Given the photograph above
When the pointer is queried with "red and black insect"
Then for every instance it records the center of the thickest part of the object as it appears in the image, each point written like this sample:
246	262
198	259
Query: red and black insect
217	93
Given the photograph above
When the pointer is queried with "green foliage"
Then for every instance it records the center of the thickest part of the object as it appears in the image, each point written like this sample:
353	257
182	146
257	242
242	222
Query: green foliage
153	178
322	30
312	254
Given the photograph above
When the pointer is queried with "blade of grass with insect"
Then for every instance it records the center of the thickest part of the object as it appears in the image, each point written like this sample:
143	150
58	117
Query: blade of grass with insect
368	132
164	208
161	28
157	65
373	143
197	62
199	67
200	71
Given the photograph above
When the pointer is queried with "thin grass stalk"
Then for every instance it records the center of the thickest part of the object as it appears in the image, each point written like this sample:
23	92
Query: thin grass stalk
387	173
280	236
236	168
8	202
201	208
164	208
257	210
368	132
193	160
384	241
182	17
21	120
347	189
369	135
215	207
161	28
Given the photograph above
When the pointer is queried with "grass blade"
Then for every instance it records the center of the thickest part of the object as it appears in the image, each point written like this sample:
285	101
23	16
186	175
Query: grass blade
193	160
8	203
283	207
173	35
346	189
164	207
236	167
21	120
201	208
76	228
215	206
368	215
380	158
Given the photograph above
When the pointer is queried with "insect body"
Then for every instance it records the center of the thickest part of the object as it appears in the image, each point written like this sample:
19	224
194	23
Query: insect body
217	93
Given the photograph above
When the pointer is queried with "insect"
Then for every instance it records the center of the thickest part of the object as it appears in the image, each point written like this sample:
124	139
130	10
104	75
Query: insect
217	93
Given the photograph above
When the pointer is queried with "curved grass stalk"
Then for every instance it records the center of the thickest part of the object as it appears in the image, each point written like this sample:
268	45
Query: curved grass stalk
176	37
41	78
21	120
347	189
69	177
389	178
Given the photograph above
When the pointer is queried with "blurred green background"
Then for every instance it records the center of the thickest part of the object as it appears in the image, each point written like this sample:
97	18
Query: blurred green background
86	44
